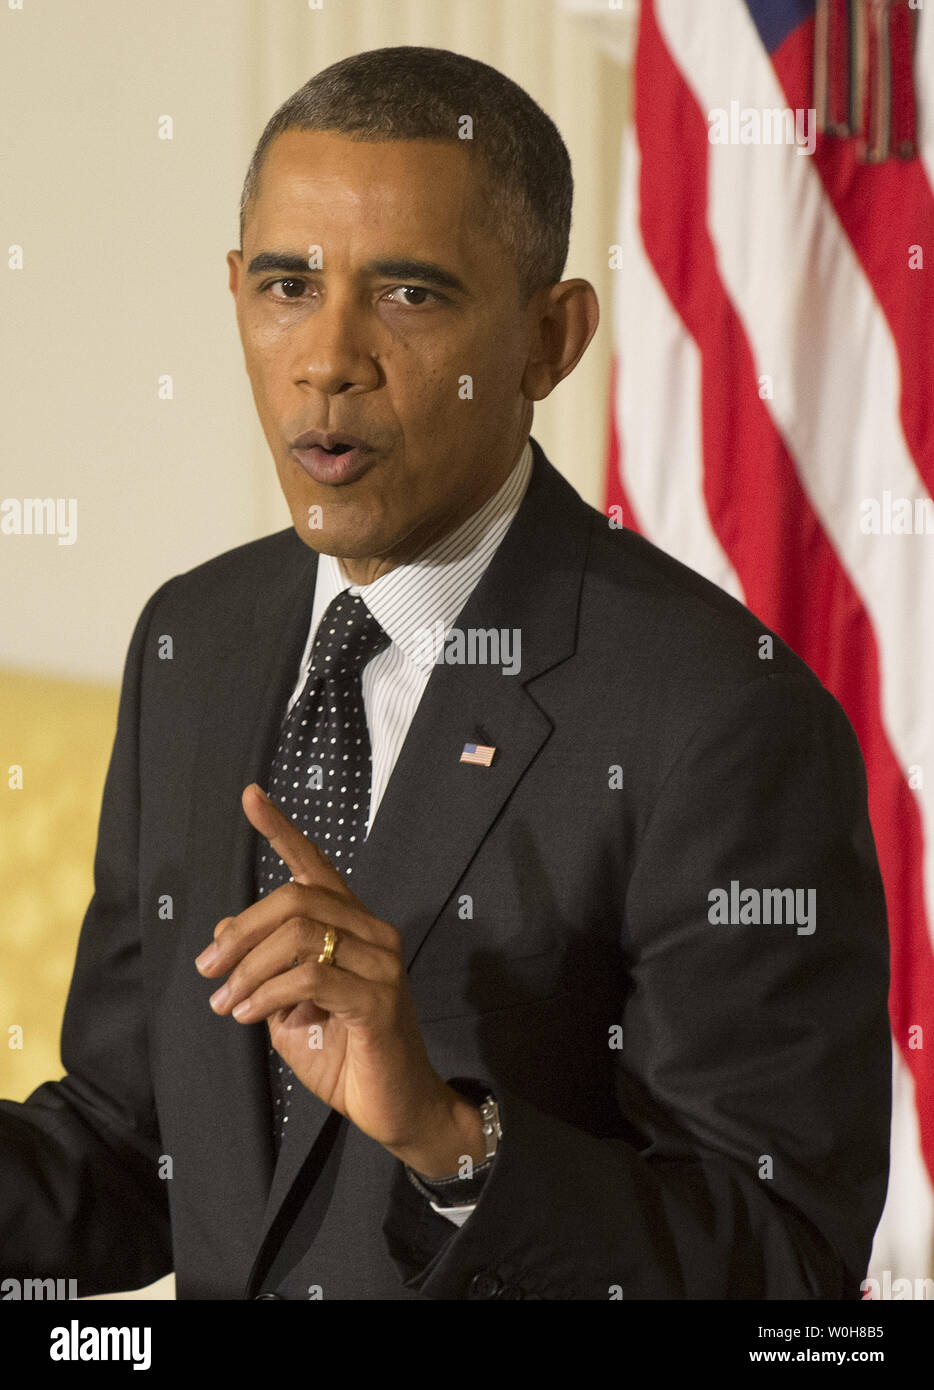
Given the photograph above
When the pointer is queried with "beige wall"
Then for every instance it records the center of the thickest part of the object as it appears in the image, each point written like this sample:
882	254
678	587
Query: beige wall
124	236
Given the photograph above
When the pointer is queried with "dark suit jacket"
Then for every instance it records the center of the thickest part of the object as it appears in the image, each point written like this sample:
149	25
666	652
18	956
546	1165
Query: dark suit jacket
734	1146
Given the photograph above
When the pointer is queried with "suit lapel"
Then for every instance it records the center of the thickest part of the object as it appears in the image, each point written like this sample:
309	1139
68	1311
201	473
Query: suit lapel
253	675
436	810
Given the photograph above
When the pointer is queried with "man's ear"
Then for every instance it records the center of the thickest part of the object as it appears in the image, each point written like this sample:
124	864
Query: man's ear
565	319
234	271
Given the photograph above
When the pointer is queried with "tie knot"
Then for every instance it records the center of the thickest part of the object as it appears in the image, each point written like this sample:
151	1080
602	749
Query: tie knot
347	637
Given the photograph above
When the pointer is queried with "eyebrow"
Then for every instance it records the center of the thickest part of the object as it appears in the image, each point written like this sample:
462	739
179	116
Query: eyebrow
287	263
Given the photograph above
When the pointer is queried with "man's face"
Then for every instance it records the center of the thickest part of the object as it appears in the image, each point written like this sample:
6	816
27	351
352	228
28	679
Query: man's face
409	337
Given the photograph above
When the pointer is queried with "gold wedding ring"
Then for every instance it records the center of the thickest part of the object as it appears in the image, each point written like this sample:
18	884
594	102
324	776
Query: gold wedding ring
330	946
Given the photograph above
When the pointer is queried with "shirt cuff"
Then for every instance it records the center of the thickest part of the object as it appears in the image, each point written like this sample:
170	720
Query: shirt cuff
456	1214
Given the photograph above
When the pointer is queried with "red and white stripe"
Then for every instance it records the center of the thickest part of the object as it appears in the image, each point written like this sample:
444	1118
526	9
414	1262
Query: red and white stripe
740	262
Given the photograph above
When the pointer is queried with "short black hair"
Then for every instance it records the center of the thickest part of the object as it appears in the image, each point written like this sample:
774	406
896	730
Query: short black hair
411	93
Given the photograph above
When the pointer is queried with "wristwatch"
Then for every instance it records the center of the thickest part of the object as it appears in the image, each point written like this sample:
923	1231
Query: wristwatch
456	1191
492	1129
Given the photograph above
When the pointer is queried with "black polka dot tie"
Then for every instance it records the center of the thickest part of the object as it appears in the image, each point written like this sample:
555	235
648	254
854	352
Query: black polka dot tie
321	771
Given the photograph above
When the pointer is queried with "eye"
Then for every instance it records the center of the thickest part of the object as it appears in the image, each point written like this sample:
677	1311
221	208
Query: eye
288	286
416	290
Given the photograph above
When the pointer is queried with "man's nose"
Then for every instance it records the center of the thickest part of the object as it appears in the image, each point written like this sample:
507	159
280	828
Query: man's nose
336	349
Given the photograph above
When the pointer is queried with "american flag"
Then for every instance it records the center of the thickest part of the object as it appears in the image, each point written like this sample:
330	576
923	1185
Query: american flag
771	407
477	753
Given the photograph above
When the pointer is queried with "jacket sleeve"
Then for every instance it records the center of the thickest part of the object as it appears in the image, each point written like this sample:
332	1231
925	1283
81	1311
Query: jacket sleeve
80	1192
756	1058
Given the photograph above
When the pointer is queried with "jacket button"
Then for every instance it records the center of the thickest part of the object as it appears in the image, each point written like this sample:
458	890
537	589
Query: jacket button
484	1285
276	1296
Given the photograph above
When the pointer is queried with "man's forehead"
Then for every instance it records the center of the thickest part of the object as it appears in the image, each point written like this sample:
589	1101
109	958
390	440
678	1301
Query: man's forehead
423	199
435	178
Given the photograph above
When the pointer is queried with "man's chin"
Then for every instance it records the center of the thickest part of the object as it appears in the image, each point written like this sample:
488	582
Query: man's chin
323	542
344	545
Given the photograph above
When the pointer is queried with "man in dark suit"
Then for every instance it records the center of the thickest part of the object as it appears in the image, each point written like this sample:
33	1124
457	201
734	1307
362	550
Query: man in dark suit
604	1013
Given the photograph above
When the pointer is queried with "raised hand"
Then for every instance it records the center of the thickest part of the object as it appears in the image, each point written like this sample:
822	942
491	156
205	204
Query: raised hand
348	1029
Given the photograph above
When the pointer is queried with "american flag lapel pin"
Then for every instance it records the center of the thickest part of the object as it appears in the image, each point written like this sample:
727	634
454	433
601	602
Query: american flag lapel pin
480	753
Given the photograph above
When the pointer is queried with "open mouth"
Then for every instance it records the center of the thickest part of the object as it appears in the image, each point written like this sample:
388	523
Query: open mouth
329	459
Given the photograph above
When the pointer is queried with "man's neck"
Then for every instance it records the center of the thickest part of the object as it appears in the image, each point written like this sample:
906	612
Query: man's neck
366	571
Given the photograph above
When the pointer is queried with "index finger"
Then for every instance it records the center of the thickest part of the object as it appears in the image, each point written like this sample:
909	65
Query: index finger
307	863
